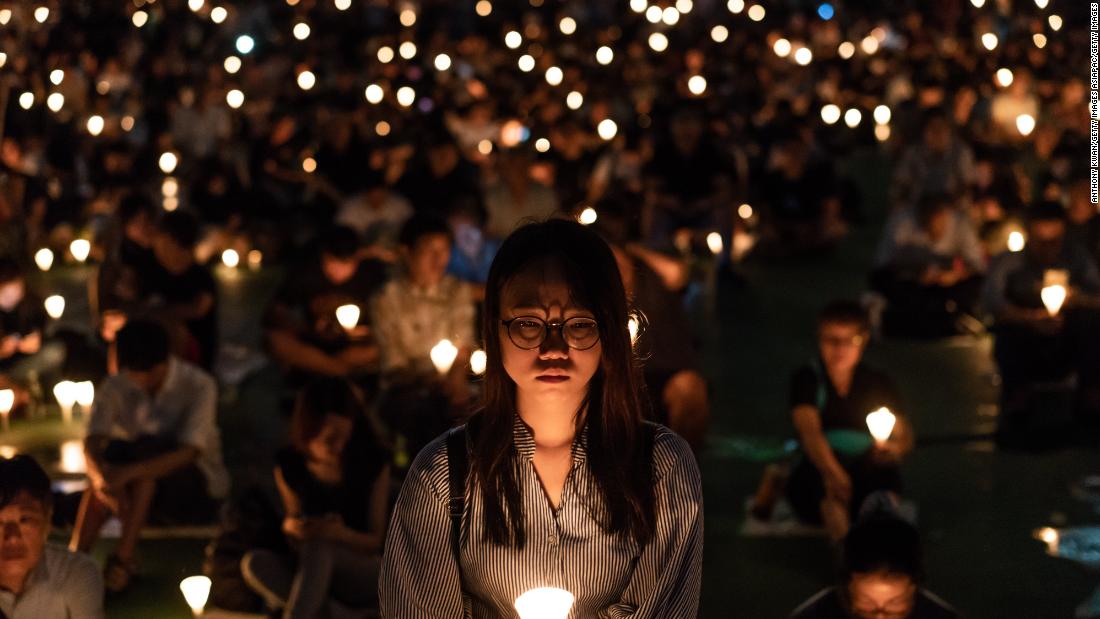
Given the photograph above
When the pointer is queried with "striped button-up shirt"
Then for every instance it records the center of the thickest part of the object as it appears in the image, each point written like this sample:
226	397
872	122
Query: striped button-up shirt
609	574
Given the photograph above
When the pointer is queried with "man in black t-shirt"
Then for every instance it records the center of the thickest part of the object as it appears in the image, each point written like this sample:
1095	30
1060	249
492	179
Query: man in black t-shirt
830	401
302	329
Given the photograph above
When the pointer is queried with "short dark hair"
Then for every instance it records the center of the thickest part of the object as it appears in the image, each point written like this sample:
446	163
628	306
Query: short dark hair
10	270
141	345
181	227
422	225
339	242
23	474
1046	211
882	544
844	312
317	400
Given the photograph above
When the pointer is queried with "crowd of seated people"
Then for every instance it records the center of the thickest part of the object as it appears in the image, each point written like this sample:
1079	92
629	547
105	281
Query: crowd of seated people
398	209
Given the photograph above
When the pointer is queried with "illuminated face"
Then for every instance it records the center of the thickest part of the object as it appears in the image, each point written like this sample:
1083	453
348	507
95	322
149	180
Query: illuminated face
551	371
338	270
427	260
882	596
11	294
841	346
331	440
24	526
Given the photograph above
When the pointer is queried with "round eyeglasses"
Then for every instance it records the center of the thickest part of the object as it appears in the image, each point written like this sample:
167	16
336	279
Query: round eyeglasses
529	332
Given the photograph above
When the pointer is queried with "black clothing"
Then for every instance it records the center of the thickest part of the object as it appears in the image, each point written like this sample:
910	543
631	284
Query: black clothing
870	390
828	605
182	289
350	498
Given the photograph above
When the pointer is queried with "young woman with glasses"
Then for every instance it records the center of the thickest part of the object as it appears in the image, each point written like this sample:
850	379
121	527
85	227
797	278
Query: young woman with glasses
567	487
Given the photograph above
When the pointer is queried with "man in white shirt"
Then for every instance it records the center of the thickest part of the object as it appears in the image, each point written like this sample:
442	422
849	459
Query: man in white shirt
39	579
152	447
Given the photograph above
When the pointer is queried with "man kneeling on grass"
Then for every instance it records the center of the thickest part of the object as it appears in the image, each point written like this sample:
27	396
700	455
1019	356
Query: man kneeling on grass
153	448
37	579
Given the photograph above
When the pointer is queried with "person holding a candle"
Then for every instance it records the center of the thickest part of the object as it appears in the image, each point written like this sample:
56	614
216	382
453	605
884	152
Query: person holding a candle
418	310
38	579
153	448
557	481
1034	344
303	330
830	400
23	349
334	483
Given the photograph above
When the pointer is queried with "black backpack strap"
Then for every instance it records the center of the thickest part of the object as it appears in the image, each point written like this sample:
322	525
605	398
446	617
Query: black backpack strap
458	465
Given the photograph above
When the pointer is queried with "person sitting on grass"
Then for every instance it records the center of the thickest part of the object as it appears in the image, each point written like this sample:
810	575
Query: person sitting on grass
881	576
334	483
153	449
830	400
22	323
39	580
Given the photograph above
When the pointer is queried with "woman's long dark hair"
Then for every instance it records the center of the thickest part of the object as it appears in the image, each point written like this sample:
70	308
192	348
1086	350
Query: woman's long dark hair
616	455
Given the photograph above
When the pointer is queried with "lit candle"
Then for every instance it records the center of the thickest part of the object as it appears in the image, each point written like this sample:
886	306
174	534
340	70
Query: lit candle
44	259
443	356
544	603
1049	536
881	424
72	457
7	451
231	258
65	392
80	248
255	259
588	216
478	360
1053	298
348	316
632	328
85	395
55	306
7	401
1016	241
168	162
1025	124
196	590
714	242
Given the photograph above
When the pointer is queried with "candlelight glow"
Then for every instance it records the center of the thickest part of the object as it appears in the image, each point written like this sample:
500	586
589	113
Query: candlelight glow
846	50
55	101
670	16
554	76
882	114
869	45
604	55
782	48
57	76
1025	124
745	211
1055	22
574	100
342	5
526	63
55	306
348	316
882	132
1050	537
85	394
542	145
989	41
195	5
830	114
735	6
714	242
756	12
374	94
588	216
544	603
478	360
306	80
385	54
697	84
309	165
41	14
443	356
301	31
632	327
1053	298
1016	241
653	14
1042	4
168	162
638	6
407	50
196	590
1004	77
255	259
65	393
658	42
607	129
803	56
484	8
485	147
234	98
170	187
881	424
1039	39
95	124
232	64
442	62
406	96
218	14
26	100
567	25
44	259
7	401
513	39
80	248
245	44
230	258
719	34
72	457
852	117
7	451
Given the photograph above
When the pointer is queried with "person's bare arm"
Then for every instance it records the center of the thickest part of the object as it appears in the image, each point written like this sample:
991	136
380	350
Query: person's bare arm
807	421
155	467
672	271
291	351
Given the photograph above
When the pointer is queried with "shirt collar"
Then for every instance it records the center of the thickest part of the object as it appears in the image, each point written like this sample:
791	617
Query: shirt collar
524	441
